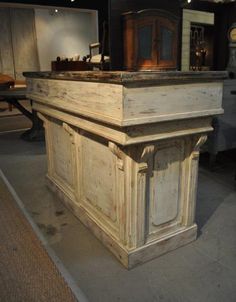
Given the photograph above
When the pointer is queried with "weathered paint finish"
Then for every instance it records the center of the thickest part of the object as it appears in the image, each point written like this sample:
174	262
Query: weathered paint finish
133	187
123	106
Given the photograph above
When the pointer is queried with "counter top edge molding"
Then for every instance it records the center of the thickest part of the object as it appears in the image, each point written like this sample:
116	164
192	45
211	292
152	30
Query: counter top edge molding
123	78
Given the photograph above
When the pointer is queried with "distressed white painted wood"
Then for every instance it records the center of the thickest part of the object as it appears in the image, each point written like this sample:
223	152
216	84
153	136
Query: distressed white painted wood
133	186
95	100
125	106
171	102
166	184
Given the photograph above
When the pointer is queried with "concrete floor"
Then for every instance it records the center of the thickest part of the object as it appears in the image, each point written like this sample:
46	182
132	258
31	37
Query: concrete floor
202	271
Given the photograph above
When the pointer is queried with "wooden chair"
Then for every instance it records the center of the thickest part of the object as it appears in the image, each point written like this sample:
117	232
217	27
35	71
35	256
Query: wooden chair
99	59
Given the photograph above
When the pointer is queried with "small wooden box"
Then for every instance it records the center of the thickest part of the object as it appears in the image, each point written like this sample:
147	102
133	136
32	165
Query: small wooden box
69	66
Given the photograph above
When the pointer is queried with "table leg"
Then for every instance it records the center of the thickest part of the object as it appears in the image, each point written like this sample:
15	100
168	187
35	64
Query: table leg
36	133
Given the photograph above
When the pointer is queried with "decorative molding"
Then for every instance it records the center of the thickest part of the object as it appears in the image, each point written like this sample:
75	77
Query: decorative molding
42	118
70	131
134	185
148	151
196	149
118	153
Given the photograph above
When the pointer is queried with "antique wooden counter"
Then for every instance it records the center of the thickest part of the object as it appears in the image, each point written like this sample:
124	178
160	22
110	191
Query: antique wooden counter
123	152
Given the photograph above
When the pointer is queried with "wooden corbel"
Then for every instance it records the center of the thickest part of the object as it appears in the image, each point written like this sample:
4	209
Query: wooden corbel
118	153
147	153
196	150
70	131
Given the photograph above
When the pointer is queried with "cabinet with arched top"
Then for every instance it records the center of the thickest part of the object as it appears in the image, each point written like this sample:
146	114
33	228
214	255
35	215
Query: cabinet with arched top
150	40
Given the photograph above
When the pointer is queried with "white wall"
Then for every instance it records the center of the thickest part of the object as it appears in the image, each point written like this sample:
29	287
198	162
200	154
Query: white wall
65	33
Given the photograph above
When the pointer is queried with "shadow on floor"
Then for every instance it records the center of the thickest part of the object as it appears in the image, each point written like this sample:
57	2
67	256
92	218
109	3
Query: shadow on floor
219	179
23	147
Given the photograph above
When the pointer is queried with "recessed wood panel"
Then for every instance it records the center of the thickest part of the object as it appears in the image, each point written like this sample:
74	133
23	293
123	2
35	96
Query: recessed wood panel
98	177
165	187
63	154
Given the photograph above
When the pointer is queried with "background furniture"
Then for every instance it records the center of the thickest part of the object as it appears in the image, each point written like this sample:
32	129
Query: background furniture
18	47
233	92
150	40
69	65
99	60
224	136
13	96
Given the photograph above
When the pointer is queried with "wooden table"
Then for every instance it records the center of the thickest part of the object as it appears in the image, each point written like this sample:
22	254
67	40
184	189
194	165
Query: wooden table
13	96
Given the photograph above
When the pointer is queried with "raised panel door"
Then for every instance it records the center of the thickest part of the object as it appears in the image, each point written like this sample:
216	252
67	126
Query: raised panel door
166	46
145	35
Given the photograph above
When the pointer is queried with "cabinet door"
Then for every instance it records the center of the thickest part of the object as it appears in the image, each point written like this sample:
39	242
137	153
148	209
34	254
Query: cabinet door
145	34
166	43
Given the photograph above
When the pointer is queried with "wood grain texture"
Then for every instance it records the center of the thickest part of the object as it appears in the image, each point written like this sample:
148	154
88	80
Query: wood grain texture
156	20
134	186
136	195
94	100
132	78
171	102
125	106
133	134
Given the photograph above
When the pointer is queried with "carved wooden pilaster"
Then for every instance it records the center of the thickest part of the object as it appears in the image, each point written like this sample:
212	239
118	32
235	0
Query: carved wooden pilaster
142	183
46	125
120	183
192	180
